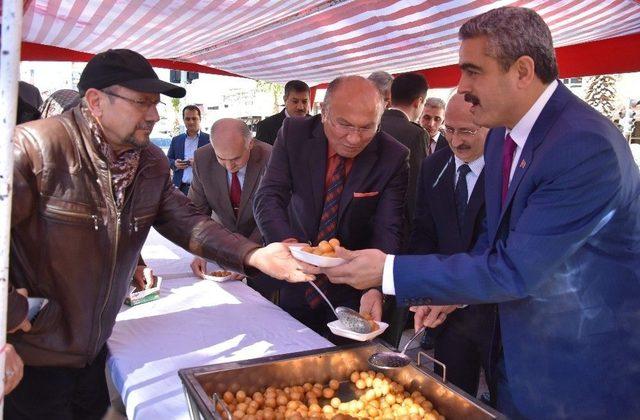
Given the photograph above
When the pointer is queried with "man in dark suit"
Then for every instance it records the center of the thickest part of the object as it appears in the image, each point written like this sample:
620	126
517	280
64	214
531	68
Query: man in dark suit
408	93
183	147
449	219
334	175
562	240
296	104
226	175
432	120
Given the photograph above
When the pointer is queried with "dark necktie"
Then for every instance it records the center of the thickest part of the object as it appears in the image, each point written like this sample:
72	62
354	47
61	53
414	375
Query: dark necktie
235	192
328	226
462	193
508	150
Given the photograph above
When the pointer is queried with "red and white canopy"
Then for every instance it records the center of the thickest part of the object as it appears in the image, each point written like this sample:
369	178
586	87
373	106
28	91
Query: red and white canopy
315	41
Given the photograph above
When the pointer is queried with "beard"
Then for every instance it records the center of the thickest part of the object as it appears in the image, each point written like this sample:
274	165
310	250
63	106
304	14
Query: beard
137	142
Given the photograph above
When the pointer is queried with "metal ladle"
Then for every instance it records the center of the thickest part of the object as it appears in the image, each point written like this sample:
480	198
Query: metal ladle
393	359
351	319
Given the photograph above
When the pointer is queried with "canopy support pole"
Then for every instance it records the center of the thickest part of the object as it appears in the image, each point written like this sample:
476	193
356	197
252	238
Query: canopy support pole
10	40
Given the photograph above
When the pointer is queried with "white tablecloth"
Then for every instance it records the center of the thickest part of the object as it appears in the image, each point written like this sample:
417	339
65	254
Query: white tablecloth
195	322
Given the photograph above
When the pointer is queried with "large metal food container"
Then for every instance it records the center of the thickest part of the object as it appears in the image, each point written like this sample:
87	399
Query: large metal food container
200	383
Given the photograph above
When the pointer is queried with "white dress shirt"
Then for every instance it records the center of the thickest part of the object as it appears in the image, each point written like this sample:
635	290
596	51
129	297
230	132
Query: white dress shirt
434	142
476	167
521	130
190	146
241	174
519	134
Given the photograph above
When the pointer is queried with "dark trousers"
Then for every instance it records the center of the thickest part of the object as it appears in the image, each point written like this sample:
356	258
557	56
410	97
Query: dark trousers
293	301
57	393
464	343
184	188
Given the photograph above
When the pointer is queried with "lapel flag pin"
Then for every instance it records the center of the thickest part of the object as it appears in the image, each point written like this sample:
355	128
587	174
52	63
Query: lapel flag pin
523	163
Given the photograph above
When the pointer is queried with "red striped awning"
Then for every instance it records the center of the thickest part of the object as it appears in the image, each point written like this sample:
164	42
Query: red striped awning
313	40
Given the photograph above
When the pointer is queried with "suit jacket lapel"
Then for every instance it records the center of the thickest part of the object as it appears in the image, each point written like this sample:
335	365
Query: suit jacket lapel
202	140
493	178
317	164
474	207
251	178
362	165
222	186
542	125
181	142
445	191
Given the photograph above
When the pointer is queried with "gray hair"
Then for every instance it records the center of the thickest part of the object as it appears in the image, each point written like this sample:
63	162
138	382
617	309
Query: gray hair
382	79
242	127
513	32
434	102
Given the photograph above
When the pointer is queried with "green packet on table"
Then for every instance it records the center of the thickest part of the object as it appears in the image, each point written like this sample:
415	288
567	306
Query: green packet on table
138	297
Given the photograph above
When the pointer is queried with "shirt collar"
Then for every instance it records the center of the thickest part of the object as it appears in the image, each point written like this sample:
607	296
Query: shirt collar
194	137
521	130
476	166
398	109
241	171
286	114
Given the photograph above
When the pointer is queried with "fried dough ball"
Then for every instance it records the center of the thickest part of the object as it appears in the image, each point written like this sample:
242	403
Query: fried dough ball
328	393
241	396
334	242
378	397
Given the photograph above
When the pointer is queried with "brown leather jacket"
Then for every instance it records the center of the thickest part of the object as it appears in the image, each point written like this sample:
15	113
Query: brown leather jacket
72	246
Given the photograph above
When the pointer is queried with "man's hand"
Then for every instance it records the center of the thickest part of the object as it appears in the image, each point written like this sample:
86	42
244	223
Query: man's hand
199	267
26	324
363	269
13	369
181	164
276	261
430	316
371	303
142	277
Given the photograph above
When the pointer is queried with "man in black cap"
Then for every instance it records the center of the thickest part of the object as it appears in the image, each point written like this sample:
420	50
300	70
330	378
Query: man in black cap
87	188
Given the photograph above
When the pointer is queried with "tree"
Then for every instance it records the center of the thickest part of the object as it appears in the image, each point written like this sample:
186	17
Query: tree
601	94
175	102
276	89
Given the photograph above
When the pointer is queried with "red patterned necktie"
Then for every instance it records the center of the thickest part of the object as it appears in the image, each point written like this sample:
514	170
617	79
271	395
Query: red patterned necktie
508	150
328	225
235	192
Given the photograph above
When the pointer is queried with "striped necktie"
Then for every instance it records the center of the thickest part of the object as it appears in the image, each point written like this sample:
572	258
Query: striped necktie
328	225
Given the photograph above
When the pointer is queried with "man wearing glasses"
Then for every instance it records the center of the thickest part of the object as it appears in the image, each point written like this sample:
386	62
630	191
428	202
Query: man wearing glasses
87	188
334	175
449	217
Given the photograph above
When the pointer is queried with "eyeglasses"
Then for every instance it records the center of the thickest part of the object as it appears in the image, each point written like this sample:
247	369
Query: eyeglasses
462	132
348	128
144	105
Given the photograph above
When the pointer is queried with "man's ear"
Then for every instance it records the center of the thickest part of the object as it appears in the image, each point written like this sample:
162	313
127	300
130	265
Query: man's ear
526	71
95	101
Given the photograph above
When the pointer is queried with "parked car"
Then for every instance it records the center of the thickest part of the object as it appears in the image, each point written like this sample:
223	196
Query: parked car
162	142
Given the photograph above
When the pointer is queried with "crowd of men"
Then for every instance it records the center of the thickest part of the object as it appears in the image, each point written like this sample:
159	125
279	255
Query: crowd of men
526	266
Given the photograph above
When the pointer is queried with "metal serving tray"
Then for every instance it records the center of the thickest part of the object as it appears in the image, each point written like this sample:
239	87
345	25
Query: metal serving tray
200	383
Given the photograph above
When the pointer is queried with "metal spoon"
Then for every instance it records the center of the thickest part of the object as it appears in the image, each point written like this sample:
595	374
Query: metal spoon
351	319
393	359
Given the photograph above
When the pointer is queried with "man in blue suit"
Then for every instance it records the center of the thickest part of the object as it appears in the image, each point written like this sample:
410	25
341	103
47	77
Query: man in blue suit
562	239
183	147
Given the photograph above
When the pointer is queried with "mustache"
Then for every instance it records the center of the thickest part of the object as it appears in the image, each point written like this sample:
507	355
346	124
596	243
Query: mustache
145	126
463	147
471	99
